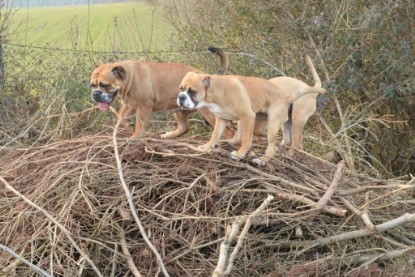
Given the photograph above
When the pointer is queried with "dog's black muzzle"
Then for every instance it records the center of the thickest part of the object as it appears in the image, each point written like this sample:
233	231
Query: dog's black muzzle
101	97
182	99
98	96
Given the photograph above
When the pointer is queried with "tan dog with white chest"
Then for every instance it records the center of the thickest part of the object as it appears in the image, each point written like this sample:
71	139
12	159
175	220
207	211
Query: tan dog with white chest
240	99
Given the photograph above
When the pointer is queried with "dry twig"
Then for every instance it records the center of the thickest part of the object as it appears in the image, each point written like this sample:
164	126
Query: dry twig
130	201
54	221
230	236
23	260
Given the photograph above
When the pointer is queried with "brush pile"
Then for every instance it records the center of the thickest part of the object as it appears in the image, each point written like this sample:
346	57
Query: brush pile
64	211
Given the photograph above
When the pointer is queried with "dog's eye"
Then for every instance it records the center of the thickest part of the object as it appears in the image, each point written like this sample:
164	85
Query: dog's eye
191	92
92	86
105	86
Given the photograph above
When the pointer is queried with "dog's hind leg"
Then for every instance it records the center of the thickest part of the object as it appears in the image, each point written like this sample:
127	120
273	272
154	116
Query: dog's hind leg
286	133
183	125
237	138
258	128
287	127
297	133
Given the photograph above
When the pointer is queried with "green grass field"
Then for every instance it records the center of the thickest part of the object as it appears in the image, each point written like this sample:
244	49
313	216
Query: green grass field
106	27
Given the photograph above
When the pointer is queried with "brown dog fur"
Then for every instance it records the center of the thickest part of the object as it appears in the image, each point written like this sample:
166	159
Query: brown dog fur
302	108
237	98
143	88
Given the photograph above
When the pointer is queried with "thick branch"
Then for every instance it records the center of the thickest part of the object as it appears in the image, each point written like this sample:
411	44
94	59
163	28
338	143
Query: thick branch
230	236
390	255
304	200
245	230
406	218
333	186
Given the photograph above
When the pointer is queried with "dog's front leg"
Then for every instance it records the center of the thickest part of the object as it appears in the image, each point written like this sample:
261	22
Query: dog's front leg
220	125
210	118
247	128
124	114
183	125
142	118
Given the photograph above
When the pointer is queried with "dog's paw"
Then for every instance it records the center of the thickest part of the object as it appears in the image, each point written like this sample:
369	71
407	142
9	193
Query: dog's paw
234	156
168	135
204	148
232	141
258	162
132	138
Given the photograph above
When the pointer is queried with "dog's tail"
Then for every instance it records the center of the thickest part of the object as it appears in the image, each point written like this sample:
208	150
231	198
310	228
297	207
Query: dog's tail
224	61
317	82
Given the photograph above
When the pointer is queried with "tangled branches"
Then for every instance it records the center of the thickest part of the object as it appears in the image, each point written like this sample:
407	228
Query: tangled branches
65	211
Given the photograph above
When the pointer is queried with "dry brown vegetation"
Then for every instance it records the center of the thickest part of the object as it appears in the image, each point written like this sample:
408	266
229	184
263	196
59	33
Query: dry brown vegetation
66	212
76	202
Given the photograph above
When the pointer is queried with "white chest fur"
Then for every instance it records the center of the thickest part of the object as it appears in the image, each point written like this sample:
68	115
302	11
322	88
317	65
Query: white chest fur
218	110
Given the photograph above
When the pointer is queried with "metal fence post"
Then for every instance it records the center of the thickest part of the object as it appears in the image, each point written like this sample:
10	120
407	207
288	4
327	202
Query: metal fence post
1	66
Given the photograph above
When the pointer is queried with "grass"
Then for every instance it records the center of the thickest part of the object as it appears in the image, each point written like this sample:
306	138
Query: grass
105	27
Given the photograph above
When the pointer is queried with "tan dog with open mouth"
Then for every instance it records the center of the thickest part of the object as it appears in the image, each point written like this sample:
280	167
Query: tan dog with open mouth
143	88
301	109
240	99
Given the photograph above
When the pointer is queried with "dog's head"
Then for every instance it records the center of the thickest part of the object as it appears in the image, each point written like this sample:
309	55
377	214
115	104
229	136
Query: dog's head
106	82
193	91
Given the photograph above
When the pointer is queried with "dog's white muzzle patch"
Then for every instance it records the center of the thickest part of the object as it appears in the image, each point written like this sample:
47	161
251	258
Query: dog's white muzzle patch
185	101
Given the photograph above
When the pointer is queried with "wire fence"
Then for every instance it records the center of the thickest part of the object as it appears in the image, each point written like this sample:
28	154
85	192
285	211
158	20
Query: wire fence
32	71
29	63
35	77
35	65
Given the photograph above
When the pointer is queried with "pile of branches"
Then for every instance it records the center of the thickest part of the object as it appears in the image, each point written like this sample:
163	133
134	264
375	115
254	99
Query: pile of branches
97	206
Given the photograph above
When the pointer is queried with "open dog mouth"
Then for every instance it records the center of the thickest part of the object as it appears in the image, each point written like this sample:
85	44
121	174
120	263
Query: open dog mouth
104	100
104	106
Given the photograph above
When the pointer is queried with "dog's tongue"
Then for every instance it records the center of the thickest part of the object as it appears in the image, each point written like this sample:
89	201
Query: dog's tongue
103	107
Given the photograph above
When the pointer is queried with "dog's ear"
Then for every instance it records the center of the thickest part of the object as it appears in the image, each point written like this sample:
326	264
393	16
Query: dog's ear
119	72
206	81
